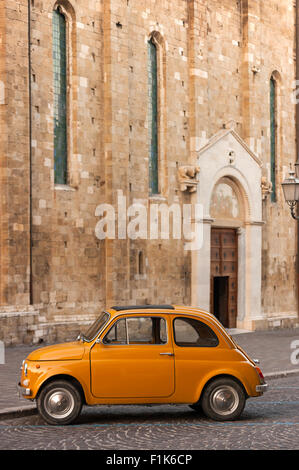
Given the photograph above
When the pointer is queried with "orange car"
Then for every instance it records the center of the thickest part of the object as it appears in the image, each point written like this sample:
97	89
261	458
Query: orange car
140	355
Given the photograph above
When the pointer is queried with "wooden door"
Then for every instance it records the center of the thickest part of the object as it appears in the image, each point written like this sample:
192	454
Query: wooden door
224	264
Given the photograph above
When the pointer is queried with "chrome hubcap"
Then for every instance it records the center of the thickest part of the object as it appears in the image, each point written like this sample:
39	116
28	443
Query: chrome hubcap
224	400
59	403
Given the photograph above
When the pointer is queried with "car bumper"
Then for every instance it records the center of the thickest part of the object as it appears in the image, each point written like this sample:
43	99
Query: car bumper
25	392
262	388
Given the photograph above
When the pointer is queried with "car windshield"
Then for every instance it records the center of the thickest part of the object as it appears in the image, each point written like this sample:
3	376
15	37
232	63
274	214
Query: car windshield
96	327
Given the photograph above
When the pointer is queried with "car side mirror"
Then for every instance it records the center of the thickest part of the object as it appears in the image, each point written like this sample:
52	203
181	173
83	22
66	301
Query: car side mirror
99	341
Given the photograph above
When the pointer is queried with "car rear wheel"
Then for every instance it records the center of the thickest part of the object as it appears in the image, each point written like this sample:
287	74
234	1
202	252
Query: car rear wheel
59	403
196	407
223	400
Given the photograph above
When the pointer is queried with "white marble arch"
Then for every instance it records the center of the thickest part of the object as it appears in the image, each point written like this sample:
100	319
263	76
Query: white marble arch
226	156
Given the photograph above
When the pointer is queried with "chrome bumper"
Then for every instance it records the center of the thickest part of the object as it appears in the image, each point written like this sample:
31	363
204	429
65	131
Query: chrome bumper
25	392
262	388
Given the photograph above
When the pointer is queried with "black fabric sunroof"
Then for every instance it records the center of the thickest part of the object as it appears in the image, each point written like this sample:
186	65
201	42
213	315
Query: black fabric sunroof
143	307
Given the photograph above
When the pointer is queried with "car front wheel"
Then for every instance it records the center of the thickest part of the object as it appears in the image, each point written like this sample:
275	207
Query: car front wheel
59	403
223	400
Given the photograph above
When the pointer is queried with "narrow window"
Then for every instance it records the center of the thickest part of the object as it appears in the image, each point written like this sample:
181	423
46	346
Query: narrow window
273	136
140	263
153	117
60	97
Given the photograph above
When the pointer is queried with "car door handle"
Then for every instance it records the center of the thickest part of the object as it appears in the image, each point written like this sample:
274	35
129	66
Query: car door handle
166	354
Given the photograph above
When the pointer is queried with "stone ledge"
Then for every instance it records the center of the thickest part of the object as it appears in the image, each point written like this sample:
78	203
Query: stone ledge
55	332
272	323
16	325
17	314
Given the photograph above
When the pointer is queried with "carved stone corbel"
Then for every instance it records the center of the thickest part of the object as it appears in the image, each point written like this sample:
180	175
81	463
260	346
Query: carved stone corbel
266	187
188	178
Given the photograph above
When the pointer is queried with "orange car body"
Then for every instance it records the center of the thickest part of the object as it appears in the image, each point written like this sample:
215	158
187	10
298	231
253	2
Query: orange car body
140	372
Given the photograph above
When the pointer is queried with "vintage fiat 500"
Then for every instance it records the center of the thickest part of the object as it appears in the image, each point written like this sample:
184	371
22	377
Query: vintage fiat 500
144	355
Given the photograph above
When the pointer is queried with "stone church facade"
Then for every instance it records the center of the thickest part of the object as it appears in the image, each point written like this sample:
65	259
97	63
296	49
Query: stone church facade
179	102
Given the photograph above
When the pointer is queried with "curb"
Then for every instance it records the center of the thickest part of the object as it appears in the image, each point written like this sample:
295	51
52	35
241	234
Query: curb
281	374
19	412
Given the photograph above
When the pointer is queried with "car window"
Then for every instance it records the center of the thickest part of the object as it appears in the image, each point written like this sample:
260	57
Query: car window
138	330
189	332
117	334
95	328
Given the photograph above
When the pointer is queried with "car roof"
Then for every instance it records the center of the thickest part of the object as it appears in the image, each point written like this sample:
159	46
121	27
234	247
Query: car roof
171	310
167	309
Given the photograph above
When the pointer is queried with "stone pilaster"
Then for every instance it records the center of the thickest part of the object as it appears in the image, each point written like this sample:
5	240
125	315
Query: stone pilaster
15	160
116	142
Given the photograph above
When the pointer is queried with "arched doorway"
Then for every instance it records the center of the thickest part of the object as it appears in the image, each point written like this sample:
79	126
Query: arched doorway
229	191
227	211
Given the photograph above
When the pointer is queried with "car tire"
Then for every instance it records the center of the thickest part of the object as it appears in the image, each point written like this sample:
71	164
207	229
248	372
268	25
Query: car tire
223	400
59	403
196	407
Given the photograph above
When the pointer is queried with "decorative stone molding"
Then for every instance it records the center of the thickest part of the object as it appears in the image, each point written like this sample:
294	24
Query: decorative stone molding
266	187
188	178
232	157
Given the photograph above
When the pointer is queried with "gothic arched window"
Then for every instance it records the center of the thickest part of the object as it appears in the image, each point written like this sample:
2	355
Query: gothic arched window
60	97
273	136
153	117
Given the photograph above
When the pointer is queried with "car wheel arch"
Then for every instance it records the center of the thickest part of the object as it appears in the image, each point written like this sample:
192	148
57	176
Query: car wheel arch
223	376
67	378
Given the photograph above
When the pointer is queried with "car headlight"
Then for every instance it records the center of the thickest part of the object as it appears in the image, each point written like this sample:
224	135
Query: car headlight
25	369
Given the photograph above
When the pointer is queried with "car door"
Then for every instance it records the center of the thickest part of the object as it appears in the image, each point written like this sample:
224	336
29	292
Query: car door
134	359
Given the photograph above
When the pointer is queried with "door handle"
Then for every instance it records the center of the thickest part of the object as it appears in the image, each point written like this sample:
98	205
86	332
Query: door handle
166	354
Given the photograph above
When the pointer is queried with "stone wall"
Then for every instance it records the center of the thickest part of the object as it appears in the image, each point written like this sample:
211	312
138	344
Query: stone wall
19	327
15	168
217	58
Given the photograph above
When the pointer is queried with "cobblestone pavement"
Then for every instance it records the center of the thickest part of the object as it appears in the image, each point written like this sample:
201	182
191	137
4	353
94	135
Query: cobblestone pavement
270	422
10	376
273	348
